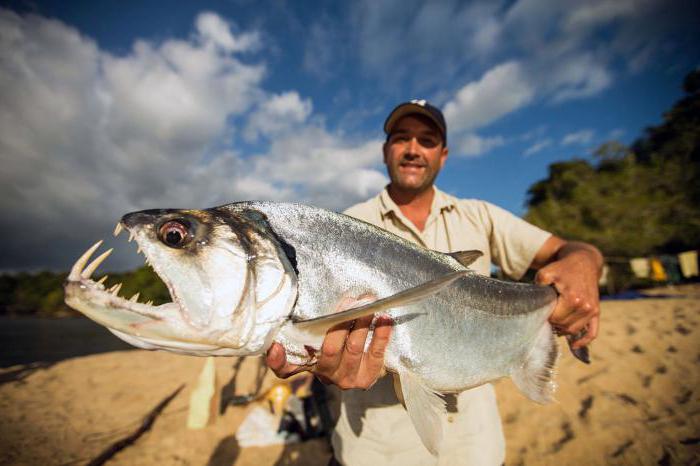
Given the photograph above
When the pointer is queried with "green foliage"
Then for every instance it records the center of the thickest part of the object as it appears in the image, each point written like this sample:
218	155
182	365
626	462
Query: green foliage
631	201
143	281
29	294
42	293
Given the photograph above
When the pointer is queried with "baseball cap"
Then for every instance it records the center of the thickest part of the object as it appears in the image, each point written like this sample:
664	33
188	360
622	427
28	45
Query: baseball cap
421	107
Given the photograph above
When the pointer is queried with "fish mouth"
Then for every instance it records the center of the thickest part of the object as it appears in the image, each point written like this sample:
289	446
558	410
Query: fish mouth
167	326
105	306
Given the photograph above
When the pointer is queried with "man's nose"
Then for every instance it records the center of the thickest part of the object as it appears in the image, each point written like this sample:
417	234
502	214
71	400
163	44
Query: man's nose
412	147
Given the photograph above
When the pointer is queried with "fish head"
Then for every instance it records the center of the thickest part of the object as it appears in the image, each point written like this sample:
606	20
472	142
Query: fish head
231	284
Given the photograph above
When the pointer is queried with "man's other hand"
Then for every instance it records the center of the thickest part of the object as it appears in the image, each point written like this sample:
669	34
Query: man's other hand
573	269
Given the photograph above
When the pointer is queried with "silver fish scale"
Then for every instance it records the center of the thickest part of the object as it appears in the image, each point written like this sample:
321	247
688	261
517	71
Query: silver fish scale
483	326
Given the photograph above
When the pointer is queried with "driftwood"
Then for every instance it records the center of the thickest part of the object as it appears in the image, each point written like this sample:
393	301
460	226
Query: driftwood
145	426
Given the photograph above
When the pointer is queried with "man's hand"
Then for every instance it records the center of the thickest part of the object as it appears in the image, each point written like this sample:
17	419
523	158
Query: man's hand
574	270
343	361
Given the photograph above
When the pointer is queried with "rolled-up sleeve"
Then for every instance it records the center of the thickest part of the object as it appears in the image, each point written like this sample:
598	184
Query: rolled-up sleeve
514	242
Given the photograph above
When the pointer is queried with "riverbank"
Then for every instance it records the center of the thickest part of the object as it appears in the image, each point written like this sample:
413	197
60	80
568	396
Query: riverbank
637	403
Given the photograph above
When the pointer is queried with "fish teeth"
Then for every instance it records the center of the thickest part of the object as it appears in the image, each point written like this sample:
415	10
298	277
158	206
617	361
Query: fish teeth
149	302
118	229
80	263
115	289
102	280
131	236
138	250
135	298
88	271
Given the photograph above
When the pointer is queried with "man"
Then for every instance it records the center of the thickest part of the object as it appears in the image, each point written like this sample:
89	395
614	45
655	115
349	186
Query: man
373	427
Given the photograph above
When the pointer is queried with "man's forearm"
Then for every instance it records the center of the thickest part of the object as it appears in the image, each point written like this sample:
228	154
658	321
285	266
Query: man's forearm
585	250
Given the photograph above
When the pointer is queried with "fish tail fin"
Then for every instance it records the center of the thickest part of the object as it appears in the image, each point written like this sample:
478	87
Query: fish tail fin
535	378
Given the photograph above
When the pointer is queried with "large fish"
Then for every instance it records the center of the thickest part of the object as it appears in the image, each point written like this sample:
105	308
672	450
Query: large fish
245	275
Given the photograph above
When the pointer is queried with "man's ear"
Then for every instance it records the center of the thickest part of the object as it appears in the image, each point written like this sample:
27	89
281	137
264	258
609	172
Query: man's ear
443	156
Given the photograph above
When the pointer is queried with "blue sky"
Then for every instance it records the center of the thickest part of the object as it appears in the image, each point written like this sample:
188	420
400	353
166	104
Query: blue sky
109	107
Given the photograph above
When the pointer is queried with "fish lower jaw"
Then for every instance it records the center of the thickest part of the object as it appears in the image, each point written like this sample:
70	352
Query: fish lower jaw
93	292
107	308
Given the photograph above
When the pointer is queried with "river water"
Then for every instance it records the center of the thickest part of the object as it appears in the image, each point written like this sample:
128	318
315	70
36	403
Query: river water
32	339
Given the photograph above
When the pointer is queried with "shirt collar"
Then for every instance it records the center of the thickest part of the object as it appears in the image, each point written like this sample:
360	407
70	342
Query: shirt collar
440	201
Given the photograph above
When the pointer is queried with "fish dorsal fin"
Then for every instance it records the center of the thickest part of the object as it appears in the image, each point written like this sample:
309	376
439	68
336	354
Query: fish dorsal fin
534	378
401	298
466	258
426	409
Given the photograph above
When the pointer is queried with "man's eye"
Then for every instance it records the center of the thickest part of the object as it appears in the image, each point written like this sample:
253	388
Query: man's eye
428	142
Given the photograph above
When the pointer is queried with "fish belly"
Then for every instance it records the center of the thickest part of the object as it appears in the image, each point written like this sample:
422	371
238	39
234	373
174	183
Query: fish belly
456	349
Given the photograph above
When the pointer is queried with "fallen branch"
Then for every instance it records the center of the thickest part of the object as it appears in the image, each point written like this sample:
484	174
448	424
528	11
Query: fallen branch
146	424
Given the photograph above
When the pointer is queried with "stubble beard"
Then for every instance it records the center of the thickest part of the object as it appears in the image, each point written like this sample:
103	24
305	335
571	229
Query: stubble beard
425	183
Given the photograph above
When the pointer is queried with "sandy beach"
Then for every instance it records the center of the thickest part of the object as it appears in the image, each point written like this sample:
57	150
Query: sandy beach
637	403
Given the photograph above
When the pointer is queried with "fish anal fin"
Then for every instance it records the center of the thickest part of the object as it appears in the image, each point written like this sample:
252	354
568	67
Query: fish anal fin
408	296
426	409
466	258
397	388
535	376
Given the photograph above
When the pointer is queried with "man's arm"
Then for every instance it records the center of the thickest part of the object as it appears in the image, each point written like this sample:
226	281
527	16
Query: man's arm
574	269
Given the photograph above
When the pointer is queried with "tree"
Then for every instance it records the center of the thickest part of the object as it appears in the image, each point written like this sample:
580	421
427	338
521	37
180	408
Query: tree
635	200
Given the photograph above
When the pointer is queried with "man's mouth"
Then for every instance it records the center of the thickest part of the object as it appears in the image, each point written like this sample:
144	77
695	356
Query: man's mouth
412	165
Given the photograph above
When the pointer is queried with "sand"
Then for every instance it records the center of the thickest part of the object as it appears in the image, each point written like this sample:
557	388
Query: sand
637	403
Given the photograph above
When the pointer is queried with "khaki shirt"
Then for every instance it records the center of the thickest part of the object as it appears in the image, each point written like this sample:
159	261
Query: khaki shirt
373	427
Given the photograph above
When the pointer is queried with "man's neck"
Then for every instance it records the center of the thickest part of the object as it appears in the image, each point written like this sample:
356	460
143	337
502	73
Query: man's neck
414	205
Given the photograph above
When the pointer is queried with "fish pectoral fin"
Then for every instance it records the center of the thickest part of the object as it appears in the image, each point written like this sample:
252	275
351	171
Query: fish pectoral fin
401	298
426	409
466	258
535	377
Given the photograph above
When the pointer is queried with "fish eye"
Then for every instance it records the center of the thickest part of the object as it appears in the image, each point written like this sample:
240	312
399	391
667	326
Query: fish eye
174	234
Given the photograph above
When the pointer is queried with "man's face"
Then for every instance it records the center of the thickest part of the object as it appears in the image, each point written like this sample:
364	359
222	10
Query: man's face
414	153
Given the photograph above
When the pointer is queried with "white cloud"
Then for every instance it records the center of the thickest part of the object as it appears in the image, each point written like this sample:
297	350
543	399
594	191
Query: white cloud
322	49
86	136
331	171
501	90
564	50
577	77
537	132
415	40
616	133
278	114
583	136
214	29
537	147
471	144
590	14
